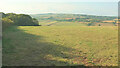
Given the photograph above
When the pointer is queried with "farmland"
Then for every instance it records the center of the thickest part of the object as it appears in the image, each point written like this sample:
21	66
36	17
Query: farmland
89	20
60	45
59	40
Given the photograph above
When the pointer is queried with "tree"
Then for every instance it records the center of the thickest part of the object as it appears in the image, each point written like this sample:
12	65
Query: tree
6	22
99	25
90	24
35	21
21	19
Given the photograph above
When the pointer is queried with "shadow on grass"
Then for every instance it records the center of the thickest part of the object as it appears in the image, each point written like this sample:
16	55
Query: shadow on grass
24	49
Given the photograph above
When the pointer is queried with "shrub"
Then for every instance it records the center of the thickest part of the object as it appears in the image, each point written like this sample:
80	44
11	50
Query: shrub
19	20
6	22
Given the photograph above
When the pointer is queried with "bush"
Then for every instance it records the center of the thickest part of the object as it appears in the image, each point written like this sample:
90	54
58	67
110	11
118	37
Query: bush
19	20
6	22
90	24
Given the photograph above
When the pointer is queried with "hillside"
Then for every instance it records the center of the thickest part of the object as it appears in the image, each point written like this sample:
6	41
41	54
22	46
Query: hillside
59	42
89	20
60	46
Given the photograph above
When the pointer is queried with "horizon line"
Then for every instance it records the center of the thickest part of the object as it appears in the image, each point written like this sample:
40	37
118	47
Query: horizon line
61	13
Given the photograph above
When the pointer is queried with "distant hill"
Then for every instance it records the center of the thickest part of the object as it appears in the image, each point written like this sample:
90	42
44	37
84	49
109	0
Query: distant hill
88	19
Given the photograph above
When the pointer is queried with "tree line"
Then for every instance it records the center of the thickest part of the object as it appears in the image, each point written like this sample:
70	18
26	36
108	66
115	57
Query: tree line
10	19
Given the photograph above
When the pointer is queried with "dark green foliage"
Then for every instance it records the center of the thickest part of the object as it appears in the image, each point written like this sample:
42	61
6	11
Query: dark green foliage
18	19
6	22
90	24
99	25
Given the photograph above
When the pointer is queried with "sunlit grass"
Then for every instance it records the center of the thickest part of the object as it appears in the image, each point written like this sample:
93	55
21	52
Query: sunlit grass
61	45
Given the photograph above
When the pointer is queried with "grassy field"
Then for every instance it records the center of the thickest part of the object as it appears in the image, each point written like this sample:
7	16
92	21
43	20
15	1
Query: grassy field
69	24
58	23
60	45
64	23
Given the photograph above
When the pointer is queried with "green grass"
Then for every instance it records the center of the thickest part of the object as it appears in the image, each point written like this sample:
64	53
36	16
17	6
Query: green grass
60	45
45	23
57	23
68	24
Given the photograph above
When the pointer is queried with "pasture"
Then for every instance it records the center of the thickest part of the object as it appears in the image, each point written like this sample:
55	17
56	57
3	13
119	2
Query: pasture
60	46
